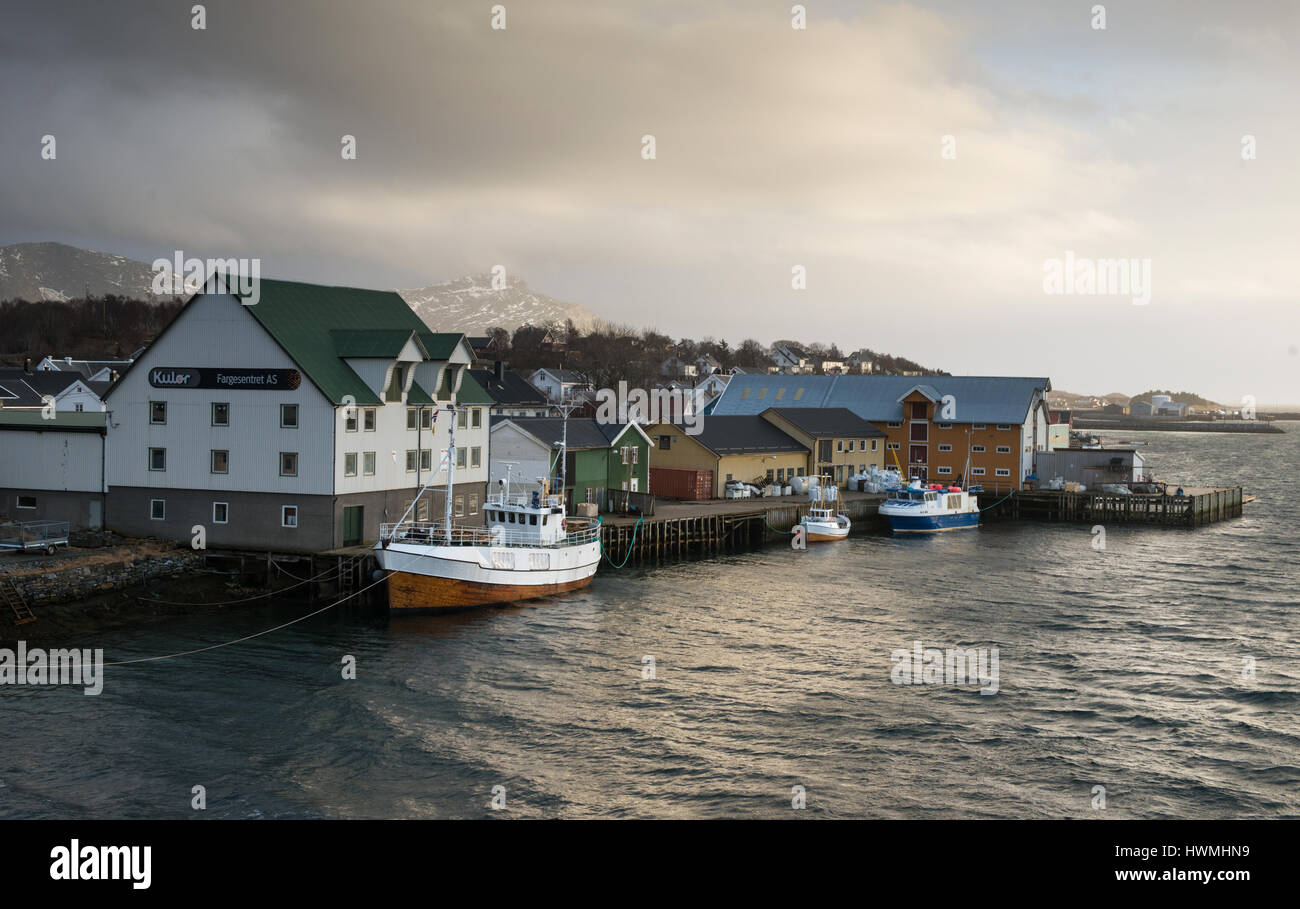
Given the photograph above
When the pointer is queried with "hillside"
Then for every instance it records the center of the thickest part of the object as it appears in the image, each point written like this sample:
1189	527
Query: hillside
472	306
55	271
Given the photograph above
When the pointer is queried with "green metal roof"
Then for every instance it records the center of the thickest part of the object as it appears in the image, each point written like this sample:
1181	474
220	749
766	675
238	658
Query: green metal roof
440	345
471	392
314	324
370	342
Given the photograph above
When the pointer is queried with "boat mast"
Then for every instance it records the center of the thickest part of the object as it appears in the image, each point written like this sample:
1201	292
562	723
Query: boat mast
451	468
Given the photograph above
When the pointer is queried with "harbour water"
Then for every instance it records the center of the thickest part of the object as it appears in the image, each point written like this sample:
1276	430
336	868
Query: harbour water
1124	668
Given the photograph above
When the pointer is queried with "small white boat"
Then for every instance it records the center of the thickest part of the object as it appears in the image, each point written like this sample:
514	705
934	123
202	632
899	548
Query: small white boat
822	524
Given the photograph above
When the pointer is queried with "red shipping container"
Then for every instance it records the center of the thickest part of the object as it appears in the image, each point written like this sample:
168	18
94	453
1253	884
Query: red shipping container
681	483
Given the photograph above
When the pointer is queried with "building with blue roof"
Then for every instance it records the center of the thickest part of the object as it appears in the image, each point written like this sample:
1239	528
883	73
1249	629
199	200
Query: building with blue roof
936	425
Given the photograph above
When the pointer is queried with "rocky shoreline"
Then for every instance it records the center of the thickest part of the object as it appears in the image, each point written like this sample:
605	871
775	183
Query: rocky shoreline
123	582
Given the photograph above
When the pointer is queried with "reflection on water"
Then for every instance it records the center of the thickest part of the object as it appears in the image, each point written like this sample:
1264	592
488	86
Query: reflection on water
1121	669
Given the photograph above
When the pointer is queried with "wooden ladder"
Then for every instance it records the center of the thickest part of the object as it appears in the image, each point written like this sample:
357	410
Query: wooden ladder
10	593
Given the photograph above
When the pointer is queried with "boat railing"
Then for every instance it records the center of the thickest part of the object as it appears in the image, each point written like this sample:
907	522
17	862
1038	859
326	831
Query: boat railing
522	500
576	532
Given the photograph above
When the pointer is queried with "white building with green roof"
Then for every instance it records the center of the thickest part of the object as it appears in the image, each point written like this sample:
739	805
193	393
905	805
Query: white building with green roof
300	422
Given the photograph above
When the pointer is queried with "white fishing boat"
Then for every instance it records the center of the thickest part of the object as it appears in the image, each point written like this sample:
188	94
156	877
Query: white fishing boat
822	524
529	548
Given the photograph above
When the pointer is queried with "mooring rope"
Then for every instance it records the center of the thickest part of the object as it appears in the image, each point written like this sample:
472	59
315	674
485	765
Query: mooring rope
999	501
630	544
250	637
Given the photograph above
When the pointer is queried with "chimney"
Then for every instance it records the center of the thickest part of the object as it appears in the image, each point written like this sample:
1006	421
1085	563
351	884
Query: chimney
499	370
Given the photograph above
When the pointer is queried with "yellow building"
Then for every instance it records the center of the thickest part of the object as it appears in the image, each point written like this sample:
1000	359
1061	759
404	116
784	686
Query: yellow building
744	448
841	442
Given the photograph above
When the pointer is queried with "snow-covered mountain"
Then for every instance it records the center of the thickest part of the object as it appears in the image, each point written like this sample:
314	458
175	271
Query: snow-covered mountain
54	271
472	306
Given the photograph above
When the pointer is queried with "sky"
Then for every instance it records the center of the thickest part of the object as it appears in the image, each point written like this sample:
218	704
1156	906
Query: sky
822	148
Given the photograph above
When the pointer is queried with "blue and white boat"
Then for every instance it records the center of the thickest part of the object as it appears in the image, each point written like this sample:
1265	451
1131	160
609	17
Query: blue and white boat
930	509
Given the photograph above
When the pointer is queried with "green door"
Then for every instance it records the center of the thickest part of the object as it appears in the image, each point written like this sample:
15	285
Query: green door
352	521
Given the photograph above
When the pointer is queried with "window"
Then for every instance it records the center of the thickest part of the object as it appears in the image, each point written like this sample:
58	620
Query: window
744	393
288	416
780	474
945	426
220	513
894	424
157	458
220	414
350	419
368	421
462	420
769	476
476	458
460	456
943	470
873	444
397	385
412	418
288	463
665	443
80	407
157	411
1004	449
426	459
977	448
350	464
1004	426
27	501
918	410
977	471
460	507
945	448
426	417
157	509
288	515
368	463
473	503
1002	472
762	393
798	393
978	426
220	461
839	444
532	520
893	446
477	414
411	456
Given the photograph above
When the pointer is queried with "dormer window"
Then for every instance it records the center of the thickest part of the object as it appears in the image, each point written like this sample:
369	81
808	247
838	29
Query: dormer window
397	384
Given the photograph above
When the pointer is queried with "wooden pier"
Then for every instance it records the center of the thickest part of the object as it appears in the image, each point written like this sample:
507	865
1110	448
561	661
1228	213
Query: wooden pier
1195	508
681	530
